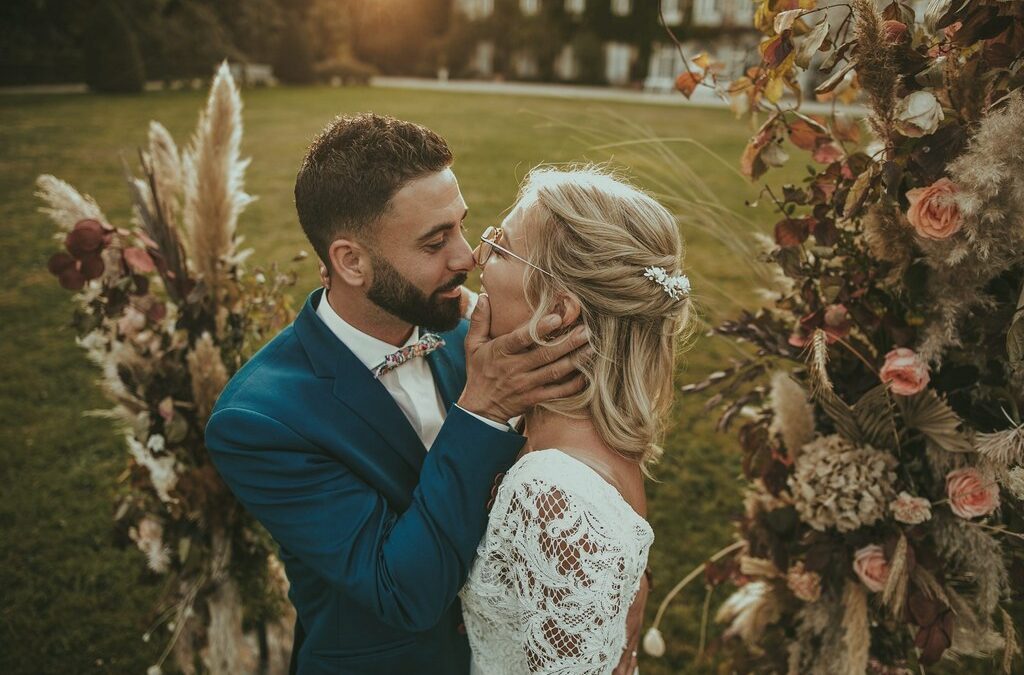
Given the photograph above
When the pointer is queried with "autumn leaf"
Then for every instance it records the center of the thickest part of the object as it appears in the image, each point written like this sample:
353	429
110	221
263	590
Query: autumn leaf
791	231
811	43
763	150
826	153
804	134
833	81
784	20
687	82
775	51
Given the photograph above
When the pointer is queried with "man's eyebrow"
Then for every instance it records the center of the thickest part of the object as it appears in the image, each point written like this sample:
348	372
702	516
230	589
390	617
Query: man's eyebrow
440	228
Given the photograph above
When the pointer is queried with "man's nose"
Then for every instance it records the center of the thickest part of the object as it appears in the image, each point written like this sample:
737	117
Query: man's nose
463	258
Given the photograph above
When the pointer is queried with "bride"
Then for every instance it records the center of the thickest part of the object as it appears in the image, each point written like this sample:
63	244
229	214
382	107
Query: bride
567	540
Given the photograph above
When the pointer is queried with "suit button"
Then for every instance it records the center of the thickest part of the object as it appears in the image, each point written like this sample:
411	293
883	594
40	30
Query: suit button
461	628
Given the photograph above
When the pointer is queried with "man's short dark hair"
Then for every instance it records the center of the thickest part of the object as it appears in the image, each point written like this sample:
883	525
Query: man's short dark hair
352	170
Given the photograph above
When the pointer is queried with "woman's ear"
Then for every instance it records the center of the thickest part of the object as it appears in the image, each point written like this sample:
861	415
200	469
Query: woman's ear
568	307
350	262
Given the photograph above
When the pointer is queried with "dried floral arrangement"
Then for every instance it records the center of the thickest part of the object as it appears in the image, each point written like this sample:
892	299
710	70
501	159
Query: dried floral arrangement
168	312
880	409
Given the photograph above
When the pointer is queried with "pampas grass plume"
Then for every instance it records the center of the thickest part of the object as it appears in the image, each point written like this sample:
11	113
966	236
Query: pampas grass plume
208	374
67	205
214	175
794	415
167	171
857	633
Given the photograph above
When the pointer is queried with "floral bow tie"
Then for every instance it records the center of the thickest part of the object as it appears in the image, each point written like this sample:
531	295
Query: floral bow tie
427	343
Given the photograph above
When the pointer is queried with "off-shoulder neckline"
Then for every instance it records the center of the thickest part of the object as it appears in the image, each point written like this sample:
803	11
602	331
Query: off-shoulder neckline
604	481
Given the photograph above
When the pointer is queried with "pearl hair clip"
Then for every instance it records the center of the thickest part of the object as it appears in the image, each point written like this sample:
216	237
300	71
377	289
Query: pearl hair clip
677	286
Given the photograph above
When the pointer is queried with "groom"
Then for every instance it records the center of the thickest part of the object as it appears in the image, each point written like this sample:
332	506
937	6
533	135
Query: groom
365	445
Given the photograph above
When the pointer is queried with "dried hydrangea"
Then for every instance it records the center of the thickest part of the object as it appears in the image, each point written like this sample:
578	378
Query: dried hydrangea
837	484
1014	482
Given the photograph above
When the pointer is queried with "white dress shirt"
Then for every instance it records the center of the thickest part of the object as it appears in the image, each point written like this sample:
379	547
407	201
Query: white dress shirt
411	385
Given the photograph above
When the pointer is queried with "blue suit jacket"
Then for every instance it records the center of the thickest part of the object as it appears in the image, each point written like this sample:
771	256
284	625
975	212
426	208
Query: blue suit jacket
376	534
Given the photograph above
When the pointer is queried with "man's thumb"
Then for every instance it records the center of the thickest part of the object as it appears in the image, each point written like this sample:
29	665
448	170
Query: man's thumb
479	323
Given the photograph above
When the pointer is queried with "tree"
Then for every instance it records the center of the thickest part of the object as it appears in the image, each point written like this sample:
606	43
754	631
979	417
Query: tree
294	63
111	53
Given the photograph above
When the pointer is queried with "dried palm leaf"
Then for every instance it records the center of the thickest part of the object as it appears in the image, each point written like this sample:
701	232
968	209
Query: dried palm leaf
933	417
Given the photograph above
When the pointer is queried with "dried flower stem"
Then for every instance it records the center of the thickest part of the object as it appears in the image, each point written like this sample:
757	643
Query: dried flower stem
691	576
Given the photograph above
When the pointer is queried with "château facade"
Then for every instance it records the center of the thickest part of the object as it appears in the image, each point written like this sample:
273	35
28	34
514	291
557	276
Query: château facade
615	42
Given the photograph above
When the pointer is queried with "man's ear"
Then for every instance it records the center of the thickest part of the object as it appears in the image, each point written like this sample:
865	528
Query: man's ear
568	307
350	262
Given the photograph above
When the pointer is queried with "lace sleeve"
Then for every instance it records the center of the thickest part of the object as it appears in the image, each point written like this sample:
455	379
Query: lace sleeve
576	580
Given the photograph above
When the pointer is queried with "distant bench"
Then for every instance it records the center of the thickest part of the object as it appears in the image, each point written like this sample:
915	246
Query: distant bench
253	74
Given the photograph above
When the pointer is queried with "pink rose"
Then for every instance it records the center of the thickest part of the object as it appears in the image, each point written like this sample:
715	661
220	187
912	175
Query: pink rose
905	369
933	211
971	494
837	322
805	585
871	567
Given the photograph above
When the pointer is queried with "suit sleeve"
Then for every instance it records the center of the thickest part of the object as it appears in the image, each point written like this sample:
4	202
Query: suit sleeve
408	568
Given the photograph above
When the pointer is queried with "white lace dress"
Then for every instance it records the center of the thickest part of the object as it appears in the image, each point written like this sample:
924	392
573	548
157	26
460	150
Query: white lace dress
555	573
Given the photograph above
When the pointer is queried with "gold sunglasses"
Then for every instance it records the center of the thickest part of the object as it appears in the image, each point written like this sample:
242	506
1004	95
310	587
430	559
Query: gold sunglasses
488	243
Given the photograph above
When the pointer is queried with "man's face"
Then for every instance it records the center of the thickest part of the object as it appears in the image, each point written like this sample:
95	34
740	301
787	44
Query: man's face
420	258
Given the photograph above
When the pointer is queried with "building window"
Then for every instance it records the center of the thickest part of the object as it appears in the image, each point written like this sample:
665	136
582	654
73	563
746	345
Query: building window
524	65
622	7
672	10
483	59
566	66
743	13
665	65
477	9
529	7
575	6
618	59
707	13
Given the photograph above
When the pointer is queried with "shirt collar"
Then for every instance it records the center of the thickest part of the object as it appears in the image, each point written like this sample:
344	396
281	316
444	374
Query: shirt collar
369	350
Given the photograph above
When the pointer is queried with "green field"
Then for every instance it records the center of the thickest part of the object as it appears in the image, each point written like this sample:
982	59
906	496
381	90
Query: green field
72	601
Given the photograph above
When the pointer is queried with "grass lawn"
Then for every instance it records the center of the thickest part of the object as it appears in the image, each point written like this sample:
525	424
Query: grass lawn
72	601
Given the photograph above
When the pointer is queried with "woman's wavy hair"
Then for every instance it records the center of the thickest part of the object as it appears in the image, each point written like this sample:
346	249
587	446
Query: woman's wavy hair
597	234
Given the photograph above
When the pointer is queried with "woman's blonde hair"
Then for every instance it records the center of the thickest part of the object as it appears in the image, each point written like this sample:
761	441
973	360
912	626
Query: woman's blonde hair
597	234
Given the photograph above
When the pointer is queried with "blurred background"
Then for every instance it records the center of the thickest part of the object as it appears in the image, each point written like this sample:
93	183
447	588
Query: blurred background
509	83
171	42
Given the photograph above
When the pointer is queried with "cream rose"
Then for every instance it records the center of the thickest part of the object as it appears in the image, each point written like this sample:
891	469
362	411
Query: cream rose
907	372
918	114
910	509
933	211
971	494
871	567
805	585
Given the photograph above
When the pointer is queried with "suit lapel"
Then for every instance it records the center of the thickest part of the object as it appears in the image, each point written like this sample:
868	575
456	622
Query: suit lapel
354	385
443	370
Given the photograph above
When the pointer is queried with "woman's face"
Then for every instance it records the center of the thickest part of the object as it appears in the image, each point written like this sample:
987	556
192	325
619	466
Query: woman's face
502	276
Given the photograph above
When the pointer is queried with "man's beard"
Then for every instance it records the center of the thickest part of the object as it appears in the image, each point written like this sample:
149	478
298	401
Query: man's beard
396	295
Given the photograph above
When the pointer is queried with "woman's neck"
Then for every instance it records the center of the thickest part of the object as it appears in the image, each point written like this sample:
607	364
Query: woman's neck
546	429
